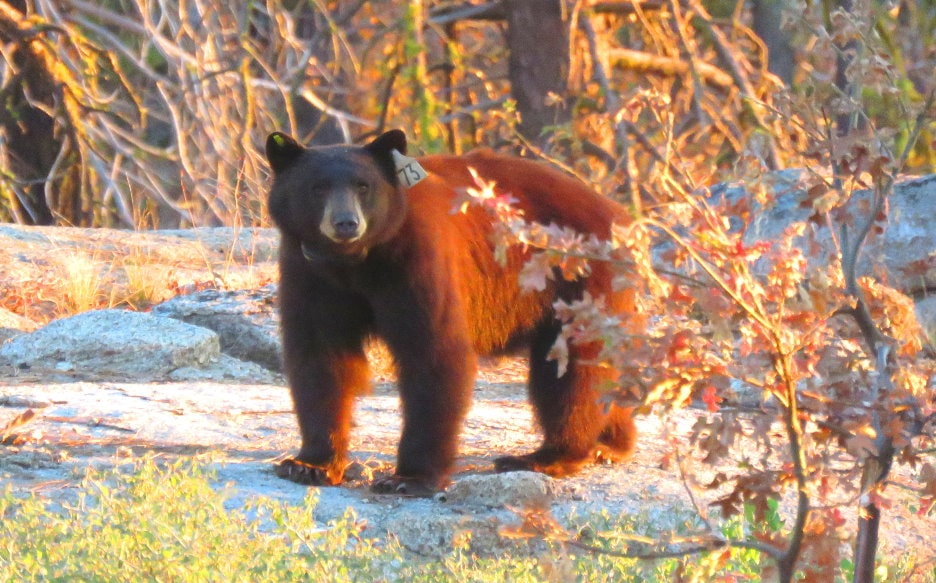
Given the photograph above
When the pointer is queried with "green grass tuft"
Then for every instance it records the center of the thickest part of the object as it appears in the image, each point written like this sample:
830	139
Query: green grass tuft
149	520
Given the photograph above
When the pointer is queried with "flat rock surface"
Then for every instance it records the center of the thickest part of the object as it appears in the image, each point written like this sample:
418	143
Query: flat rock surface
242	430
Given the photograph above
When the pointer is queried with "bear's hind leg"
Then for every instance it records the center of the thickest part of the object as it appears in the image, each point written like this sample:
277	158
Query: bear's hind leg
567	409
617	440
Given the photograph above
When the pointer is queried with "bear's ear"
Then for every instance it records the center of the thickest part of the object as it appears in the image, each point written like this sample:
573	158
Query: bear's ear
381	149
384	143
282	151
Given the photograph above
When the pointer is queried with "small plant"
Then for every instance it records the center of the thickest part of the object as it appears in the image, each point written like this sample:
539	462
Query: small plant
143	284
152	519
82	284
89	282
147	520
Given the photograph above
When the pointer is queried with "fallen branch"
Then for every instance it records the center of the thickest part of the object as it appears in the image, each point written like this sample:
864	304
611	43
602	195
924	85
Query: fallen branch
7	437
641	62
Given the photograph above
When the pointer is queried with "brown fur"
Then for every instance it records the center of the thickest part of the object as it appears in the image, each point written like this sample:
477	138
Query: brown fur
425	281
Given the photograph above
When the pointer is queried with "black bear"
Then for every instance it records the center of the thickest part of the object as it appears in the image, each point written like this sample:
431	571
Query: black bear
361	255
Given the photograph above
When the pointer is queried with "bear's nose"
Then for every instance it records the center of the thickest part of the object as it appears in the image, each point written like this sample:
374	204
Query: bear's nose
346	226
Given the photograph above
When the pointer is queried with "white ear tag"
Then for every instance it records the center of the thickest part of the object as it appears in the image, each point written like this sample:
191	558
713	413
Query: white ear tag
408	169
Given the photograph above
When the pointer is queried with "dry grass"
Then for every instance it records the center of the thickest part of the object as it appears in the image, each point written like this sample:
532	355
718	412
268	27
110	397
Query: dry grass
82	284
75	273
143	284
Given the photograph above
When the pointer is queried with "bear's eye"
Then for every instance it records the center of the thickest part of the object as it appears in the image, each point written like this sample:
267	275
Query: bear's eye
363	187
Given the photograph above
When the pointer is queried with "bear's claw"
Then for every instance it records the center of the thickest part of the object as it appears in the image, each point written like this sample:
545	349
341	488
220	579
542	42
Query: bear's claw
606	455
304	473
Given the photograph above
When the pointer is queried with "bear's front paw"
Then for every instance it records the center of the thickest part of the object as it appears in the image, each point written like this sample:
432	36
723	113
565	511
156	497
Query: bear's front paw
410	487
307	474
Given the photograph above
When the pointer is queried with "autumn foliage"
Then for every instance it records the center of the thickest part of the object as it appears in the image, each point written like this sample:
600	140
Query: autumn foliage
767	337
809	364
812	374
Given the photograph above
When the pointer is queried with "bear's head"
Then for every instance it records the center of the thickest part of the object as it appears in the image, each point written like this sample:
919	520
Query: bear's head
337	201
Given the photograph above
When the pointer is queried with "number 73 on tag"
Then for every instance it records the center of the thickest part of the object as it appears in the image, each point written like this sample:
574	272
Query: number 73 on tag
408	169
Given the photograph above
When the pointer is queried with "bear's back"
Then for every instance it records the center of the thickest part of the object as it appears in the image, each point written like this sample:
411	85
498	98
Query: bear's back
499	312
545	194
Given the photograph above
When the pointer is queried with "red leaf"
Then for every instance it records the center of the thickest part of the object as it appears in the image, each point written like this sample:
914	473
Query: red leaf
711	399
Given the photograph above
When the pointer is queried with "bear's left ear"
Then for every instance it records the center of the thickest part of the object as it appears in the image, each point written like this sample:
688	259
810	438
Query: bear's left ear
384	143
381	149
282	151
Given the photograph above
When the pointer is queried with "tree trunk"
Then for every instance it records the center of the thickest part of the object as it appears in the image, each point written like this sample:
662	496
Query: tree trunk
31	146
768	15
315	127
869	521
538	39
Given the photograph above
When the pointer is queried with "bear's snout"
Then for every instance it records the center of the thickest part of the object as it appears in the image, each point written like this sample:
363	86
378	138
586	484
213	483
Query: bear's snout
343	220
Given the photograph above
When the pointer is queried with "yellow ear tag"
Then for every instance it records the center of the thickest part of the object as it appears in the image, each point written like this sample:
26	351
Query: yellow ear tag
408	169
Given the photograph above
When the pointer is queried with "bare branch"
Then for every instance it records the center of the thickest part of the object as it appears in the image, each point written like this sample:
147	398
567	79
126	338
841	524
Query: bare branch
642	62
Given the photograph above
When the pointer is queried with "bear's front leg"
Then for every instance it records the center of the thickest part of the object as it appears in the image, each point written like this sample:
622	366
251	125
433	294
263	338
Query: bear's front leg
435	395
325	364
436	378
323	387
